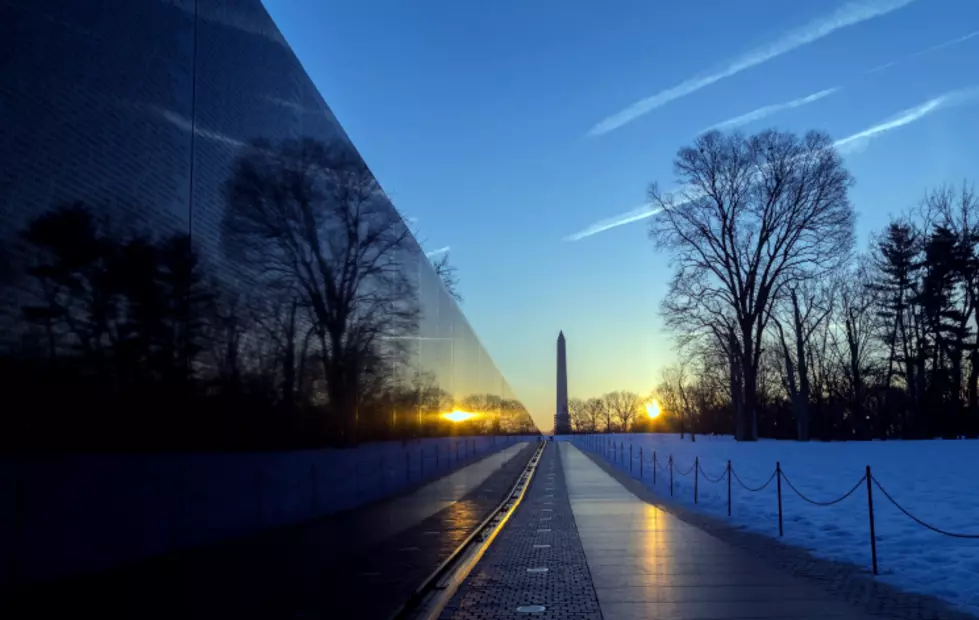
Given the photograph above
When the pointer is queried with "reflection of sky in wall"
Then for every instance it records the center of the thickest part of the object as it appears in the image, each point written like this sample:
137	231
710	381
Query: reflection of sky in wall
526	138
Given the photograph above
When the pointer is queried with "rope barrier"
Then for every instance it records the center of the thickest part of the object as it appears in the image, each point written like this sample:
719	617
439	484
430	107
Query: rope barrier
916	519
829	503
713	480
752	490
677	471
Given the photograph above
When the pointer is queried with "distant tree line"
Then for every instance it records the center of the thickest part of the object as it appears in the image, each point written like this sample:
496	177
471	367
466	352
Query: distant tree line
783	329
301	332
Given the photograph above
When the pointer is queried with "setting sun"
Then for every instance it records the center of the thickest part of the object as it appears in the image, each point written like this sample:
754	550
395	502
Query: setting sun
458	416
652	409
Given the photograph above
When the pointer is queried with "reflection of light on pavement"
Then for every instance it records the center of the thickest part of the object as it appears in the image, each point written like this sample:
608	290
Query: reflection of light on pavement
458	416
653	409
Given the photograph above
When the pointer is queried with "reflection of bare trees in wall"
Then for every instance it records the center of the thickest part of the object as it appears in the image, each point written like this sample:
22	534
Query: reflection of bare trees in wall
449	275
307	220
113	324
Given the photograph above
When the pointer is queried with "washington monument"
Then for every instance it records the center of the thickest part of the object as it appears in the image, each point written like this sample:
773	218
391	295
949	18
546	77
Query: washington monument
562	421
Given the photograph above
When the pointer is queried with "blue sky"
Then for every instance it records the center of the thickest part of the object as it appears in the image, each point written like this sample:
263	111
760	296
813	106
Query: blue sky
510	128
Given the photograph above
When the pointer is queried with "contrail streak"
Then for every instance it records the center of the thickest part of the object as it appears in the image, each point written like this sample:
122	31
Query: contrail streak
768	110
850	144
942	46
858	140
849	14
925	52
639	213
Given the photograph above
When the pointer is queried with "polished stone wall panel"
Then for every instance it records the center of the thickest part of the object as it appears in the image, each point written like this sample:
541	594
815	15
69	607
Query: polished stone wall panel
140	108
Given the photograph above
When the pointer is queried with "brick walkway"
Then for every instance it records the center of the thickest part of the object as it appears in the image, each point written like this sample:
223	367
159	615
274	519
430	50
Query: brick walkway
361	564
541	534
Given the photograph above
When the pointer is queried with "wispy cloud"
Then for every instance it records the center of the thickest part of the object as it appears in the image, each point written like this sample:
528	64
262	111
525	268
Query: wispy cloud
437	252
850	144
883	67
639	213
768	110
849	14
949	43
859	140
925	52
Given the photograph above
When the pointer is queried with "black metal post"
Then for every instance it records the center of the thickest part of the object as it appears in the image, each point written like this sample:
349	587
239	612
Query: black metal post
729	487
407	466
630	458
436	457
640	462
696	478
654	467
671	475
778	473
870	511
421	462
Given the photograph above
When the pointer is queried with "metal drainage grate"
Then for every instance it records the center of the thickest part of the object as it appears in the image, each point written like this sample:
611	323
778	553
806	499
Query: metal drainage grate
542	546
531	609
538	569
544	529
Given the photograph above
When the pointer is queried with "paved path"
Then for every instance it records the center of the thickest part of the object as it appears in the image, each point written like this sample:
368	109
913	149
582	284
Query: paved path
360	564
610	555
646	563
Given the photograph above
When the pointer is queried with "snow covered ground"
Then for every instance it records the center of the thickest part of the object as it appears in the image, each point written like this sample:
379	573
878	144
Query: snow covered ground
937	481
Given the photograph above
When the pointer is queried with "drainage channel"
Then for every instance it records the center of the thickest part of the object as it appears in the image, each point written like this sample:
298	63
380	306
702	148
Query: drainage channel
437	590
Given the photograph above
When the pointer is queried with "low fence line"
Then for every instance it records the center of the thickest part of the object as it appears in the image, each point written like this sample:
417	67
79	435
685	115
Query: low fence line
607	449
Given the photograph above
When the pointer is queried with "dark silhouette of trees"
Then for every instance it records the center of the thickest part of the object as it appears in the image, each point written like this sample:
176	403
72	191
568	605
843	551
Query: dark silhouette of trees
449	274
753	217
309	219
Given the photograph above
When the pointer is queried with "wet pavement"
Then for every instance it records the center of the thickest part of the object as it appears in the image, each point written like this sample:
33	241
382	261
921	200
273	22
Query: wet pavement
610	554
647	563
360	564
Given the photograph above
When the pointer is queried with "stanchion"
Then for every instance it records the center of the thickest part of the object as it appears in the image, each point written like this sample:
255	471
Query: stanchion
729	487
630	458
870	512
421	462
671	475
696	478
654	467
778	474
640	462
407	467
436	457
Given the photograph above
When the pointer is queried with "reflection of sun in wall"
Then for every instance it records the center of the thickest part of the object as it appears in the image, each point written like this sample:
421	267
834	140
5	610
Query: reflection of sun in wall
653	409
458	416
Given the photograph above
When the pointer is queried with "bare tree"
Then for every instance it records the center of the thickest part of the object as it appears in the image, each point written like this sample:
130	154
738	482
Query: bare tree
580	419
449	275
622	407
594	412
808	306
310	217
752	216
676	393
854	333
